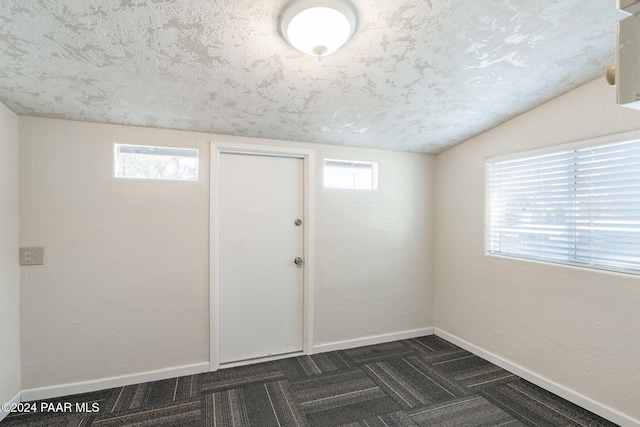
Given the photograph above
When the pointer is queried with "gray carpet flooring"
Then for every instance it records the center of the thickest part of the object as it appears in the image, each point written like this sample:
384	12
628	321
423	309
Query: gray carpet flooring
418	382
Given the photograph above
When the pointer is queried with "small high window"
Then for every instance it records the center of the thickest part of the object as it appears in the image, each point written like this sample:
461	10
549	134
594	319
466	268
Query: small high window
350	175
147	162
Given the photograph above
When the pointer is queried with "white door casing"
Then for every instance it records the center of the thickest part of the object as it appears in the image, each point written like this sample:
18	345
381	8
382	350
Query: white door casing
242	315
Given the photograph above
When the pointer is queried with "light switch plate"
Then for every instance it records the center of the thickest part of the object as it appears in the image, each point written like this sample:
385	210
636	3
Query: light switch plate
31	256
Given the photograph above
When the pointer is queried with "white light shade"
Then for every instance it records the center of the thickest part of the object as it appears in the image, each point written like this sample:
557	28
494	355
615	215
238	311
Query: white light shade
318	27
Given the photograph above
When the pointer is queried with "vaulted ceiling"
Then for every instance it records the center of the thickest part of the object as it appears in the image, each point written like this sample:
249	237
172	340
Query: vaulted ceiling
418	75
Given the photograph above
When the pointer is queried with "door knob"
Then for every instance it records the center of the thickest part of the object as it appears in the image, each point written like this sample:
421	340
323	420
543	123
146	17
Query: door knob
297	261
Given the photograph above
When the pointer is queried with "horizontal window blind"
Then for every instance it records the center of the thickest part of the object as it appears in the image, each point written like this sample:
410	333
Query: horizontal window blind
580	206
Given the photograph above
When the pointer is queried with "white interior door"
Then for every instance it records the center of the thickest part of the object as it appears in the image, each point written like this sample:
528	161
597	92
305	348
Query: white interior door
261	287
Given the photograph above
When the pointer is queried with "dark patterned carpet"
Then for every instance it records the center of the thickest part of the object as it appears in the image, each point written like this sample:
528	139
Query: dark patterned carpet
419	382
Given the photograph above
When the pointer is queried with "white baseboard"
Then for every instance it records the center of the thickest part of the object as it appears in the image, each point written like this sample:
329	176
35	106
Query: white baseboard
371	340
120	381
547	384
161	374
14	400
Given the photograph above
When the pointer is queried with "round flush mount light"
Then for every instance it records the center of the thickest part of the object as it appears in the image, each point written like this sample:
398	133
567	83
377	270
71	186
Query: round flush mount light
318	27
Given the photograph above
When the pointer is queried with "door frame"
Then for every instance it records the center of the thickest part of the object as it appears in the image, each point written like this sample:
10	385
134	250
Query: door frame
308	156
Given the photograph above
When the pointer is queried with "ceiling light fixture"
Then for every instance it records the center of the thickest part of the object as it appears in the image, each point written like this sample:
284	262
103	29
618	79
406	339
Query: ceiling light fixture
318	27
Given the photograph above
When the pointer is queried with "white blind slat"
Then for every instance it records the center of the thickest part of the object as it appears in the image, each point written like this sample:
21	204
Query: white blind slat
577	206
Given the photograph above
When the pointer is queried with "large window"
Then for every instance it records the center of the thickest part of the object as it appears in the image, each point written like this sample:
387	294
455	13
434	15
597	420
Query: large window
578	206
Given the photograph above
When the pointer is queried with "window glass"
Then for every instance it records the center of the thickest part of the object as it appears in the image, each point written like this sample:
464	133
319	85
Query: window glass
579	206
147	162
350	175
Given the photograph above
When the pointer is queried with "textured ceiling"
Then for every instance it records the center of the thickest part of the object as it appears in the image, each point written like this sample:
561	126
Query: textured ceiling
418	75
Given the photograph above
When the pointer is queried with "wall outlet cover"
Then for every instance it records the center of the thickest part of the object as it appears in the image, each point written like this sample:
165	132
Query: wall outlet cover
31	256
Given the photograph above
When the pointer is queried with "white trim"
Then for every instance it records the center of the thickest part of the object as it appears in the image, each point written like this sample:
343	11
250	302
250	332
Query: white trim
567	146
261	360
17	398
119	381
593	269
214	259
547	384
308	157
371	340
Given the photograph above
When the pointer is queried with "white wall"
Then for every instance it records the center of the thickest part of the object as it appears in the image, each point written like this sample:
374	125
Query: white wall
125	279
576	327
124	288
9	269
374	250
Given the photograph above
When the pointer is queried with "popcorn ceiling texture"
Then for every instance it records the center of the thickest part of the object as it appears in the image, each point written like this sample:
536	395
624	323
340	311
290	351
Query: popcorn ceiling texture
418	75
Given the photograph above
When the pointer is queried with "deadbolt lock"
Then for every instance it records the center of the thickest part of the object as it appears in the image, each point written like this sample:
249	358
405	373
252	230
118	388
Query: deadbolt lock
297	261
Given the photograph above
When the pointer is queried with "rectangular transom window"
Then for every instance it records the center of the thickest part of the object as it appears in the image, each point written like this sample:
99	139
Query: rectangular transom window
350	175
578	206
147	162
